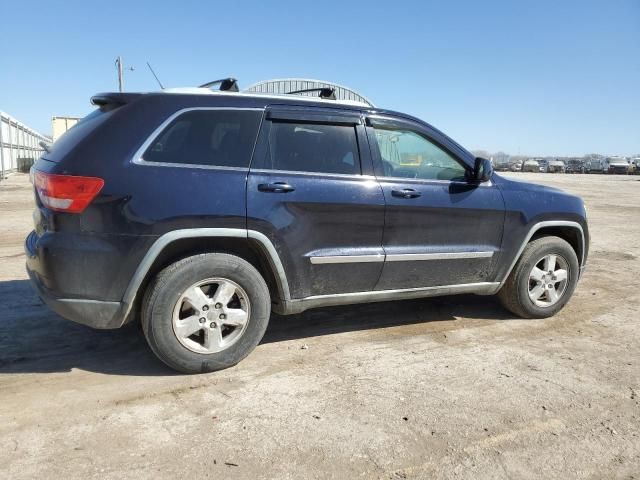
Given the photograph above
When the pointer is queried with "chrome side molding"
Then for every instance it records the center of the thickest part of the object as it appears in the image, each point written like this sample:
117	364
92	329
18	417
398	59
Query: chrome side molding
332	259
410	257
402	257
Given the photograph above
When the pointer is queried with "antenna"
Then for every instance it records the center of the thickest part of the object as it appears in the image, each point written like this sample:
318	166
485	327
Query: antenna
154	74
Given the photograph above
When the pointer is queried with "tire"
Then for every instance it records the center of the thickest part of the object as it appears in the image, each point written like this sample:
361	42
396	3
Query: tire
515	293
169	312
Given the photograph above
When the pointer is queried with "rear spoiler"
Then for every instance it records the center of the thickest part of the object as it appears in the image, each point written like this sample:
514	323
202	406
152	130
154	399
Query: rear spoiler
113	98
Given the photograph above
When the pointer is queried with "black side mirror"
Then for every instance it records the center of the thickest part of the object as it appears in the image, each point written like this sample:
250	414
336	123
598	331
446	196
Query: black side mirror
482	170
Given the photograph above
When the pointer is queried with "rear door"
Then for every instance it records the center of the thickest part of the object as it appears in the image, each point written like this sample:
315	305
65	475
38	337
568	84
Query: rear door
439	229
312	192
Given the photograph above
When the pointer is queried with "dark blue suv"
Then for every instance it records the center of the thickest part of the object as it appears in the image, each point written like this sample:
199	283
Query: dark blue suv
201	211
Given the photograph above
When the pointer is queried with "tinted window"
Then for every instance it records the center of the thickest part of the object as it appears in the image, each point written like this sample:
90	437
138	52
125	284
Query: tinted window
310	147
222	138
407	154
81	130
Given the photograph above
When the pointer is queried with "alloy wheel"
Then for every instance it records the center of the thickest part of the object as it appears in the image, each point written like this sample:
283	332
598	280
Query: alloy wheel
548	280
211	315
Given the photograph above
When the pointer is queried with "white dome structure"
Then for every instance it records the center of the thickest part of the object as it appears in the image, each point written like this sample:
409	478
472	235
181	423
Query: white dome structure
282	86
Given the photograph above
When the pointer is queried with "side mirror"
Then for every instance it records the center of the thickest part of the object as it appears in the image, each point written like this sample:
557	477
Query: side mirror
482	170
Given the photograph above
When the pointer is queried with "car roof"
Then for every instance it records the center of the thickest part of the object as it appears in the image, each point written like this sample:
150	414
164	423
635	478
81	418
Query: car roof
284	97
262	100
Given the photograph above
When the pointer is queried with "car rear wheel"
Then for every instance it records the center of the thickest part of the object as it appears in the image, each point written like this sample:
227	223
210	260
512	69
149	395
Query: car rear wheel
543	279
206	312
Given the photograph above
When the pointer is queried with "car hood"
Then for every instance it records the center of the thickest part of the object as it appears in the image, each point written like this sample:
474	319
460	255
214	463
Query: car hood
540	201
520	185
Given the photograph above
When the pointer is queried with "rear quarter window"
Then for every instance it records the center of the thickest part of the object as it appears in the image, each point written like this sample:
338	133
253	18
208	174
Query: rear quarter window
72	137
222	138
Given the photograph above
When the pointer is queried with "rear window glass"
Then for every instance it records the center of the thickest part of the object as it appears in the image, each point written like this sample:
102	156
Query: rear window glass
222	138
76	134
317	148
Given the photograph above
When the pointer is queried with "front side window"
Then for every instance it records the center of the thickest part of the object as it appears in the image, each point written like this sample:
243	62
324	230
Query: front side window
310	147
406	154
222	138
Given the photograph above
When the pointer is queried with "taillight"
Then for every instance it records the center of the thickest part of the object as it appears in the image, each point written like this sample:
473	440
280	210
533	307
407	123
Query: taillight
66	193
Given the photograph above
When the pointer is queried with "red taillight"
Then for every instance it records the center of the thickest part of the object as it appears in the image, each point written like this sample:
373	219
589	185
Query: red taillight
66	193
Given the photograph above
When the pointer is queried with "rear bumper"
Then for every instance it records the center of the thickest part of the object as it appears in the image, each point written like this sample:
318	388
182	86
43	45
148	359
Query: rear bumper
93	313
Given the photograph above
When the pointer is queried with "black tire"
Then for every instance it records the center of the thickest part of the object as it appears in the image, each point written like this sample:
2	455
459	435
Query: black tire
514	294
166	289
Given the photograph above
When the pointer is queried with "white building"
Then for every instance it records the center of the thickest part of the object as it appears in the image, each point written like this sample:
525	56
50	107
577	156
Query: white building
19	145
59	125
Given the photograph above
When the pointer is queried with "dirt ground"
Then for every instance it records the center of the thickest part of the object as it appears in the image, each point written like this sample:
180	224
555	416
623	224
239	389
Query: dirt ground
434	388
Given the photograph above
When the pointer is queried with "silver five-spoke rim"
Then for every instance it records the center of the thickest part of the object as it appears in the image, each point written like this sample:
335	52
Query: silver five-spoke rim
548	280
211	315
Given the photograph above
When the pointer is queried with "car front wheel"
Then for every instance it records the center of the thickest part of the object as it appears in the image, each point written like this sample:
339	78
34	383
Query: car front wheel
543	279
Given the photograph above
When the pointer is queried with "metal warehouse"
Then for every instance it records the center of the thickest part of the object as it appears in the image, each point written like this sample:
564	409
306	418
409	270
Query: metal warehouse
19	145
287	85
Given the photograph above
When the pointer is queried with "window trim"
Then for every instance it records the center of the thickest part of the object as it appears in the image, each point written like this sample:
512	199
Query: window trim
265	136
355	176
320	117
139	160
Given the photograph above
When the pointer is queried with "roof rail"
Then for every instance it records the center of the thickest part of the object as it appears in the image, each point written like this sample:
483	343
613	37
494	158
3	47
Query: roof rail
323	92
226	85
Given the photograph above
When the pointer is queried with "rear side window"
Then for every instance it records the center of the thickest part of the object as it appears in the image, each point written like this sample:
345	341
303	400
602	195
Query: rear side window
221	138
310	147
76	134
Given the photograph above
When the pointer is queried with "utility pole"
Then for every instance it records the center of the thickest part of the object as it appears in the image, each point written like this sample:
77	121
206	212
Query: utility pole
120	79
120	67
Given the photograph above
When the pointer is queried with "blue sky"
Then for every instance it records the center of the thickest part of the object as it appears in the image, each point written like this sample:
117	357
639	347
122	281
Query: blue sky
538	77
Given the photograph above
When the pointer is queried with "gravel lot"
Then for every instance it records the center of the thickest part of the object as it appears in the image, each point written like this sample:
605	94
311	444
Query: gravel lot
435	388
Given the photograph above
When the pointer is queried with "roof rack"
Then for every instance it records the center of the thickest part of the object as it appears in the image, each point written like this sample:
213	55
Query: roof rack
226	85
323	92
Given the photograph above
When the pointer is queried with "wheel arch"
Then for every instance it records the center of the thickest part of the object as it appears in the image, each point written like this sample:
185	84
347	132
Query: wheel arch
571	232
251	246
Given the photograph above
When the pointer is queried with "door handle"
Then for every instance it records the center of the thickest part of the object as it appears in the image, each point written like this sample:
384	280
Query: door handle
276	187
406	193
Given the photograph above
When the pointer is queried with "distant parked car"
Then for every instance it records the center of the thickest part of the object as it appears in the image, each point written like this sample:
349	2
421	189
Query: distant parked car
619	167
575	165
595	165
530	166
544	163
555	166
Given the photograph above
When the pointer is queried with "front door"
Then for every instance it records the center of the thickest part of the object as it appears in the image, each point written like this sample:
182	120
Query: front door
440	229
312	192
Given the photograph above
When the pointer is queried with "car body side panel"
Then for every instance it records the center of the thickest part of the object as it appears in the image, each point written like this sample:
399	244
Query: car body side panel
89	259
449	218
448	235
528	205
327	231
